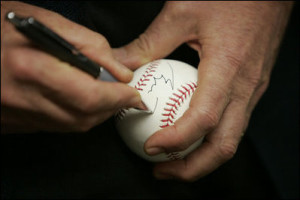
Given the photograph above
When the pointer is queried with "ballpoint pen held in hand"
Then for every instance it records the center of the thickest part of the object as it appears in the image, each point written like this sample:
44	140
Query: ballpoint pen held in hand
52	43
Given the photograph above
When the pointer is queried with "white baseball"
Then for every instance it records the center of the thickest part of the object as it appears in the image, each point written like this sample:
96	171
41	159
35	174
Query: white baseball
166	87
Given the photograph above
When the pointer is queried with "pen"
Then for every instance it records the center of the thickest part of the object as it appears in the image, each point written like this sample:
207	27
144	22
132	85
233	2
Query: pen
52	43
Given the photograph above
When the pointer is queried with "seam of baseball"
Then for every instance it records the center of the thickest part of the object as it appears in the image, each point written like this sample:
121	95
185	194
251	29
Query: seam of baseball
175	101
145	77
174	156
121	114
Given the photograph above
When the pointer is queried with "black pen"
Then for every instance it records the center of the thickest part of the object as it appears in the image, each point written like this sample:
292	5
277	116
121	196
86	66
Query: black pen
52	43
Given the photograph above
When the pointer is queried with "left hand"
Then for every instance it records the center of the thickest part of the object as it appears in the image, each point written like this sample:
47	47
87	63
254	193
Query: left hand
237	43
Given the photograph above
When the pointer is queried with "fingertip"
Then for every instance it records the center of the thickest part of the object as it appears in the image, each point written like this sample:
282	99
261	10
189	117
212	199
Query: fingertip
154	150
168	140
135	99
153	145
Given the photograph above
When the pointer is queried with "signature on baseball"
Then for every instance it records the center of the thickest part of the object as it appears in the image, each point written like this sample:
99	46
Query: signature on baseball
161	83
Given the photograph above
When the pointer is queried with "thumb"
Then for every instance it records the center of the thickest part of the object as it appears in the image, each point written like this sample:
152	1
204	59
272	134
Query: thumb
158	41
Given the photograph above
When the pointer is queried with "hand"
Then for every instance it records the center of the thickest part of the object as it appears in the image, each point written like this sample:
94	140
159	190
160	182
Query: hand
40	92
237	43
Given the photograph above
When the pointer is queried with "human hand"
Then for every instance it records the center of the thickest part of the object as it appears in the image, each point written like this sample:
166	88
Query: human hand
40	92
237	43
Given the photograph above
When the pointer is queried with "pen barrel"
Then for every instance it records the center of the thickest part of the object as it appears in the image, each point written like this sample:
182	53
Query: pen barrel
55	45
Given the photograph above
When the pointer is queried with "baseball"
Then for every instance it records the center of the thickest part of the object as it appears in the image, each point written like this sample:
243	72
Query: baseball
166	87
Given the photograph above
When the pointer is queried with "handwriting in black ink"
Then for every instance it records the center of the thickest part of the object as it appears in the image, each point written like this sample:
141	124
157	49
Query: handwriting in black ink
171	81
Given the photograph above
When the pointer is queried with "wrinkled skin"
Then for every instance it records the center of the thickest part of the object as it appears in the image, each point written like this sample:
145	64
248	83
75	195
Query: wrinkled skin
42	93
237	43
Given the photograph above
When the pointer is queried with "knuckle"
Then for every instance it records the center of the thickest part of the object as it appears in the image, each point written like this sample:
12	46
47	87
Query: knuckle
254	77
253	80
180	8
261	82
89	102
233	61
208	119
101	42
89	106
262	87
227	150
19	64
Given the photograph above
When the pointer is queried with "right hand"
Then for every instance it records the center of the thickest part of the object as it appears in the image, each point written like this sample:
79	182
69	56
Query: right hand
41	93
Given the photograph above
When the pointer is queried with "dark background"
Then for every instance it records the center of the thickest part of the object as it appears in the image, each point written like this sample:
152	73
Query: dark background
98	165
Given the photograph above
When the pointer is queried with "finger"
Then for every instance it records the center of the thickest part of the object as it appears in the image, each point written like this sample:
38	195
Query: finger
100	51
50	117
67	86
218	147
120	95
154	43
215	77
38	113
88	96
95	46
28	108
23	92
90	43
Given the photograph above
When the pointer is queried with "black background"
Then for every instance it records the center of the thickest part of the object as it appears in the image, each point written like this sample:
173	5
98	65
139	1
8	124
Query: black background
98	165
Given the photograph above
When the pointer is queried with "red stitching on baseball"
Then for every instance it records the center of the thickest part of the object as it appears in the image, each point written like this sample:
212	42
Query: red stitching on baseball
176	101
174	156
168	115
145	77
170	110
167	120
121	114
141	83
174	104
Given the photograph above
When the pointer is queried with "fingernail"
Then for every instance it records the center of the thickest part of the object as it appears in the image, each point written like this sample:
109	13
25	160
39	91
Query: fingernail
163	176
139	103
142	106
154	150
